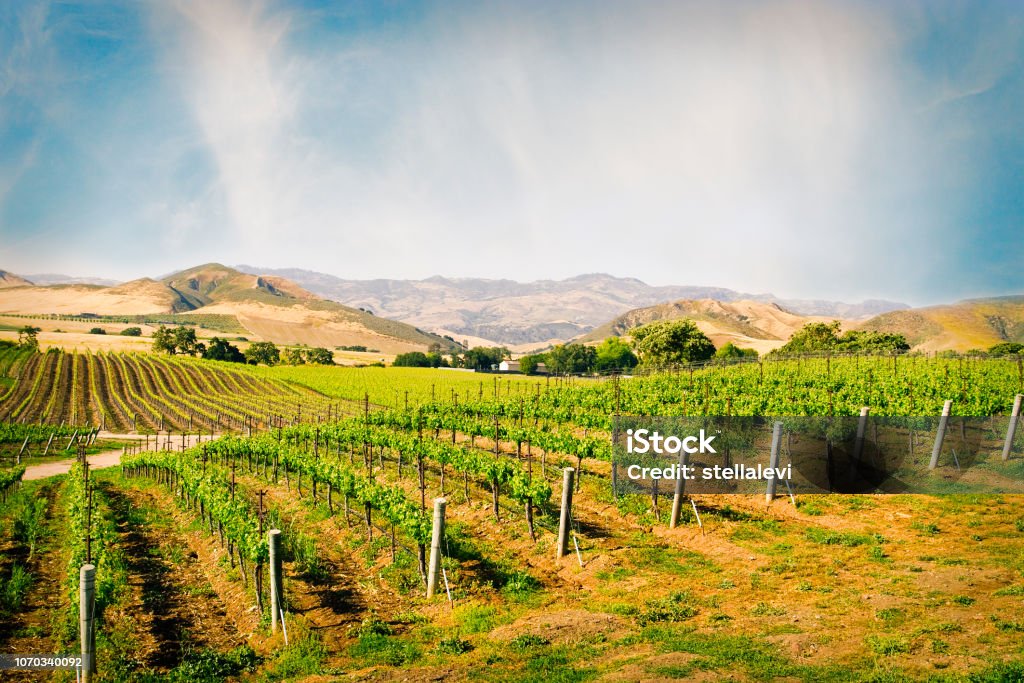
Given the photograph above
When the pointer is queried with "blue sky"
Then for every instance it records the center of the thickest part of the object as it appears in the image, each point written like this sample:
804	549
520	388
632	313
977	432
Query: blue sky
837	150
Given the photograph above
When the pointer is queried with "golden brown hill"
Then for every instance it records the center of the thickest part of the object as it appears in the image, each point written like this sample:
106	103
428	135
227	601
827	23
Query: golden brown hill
12	280
748	324
965	325
268	308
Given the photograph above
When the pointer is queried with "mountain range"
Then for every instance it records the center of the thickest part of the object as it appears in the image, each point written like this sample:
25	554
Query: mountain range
266	307
531	313
302	307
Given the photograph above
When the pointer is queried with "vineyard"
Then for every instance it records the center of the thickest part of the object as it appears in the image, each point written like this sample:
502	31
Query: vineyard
145	393
534	572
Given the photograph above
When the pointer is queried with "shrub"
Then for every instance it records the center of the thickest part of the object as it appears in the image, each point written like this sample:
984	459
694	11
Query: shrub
131	332
97	330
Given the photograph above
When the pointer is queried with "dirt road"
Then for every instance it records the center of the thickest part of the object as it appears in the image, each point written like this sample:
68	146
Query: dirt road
107	458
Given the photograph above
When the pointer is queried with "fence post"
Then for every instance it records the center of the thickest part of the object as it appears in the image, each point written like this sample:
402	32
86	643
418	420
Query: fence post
86	602
1011	430
677	499
940	434
274	544
435	546
769	494
862	428
564	522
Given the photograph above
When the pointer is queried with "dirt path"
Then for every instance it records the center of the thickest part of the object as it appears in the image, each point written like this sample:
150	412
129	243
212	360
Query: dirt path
109	458
170	599
28	632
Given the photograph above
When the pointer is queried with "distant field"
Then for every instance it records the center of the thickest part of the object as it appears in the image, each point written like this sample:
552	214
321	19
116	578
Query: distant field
389	385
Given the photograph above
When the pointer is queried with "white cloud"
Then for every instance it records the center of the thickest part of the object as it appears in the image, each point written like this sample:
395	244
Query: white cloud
762	146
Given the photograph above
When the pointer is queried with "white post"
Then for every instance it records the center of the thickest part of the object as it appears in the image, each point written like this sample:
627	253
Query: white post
435	546
1011	430
564	520
274	543
940	434
862	427
677	499
86	602
769	494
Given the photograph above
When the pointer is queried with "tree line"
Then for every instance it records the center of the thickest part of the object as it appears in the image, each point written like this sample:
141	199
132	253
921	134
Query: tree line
182	340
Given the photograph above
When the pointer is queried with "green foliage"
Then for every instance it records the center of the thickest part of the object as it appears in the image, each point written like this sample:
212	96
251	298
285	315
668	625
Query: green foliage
210	666
827	537
887	646
453	645
262	353
1006	349
28	337
14	589
671	342
732	352
412	359
221	349
476	618
484	357
614	354
181	339
673	608
571	359
97	330
319	356
819	337
530	364
131	332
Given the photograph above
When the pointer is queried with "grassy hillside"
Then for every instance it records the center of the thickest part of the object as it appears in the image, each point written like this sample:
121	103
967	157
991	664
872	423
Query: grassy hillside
751	324
970	324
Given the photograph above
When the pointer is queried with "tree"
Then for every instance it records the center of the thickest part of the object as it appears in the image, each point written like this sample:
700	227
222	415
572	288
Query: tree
1006	349
614	354
294	356
484	357
132	332
185	340
436	360
730	352
220	349
571	358
413	359
529	365
320	356
262	353
818	337
28	337
671	342
97	330
163	341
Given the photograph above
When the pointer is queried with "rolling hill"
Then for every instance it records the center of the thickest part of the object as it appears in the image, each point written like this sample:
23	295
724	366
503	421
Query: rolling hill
965	325
269	308
527	314
748	324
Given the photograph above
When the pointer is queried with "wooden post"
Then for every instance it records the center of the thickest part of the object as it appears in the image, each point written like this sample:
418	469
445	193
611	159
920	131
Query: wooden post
1011	429
435	546
86	625
940	434
773	463
862	426
677	500
274	542
565	518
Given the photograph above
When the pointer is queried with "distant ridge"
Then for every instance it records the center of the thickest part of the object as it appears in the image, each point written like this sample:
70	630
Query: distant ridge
962	326
269	307
524	313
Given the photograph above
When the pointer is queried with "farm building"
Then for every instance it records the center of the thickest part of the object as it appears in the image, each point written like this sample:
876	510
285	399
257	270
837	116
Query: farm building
514	366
